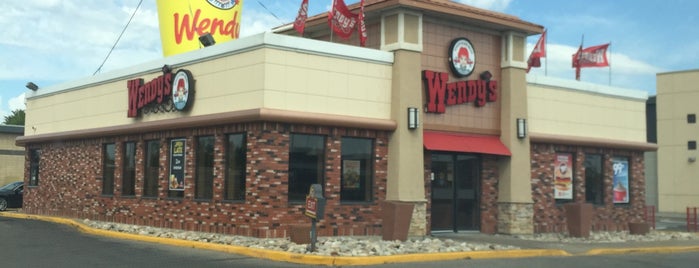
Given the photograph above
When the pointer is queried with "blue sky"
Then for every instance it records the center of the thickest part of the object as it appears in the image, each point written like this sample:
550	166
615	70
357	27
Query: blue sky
54	41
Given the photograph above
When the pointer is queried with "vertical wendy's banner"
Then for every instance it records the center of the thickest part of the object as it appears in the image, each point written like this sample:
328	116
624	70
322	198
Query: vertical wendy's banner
183	21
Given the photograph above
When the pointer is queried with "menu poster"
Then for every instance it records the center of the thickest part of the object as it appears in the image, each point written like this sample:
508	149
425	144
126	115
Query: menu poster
620	166
563	176
350	174
177	160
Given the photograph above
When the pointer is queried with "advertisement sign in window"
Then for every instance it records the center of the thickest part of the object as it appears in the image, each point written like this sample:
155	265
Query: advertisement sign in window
620	166
177	161
563	176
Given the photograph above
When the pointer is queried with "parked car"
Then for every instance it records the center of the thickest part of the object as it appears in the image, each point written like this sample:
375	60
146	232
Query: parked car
11	195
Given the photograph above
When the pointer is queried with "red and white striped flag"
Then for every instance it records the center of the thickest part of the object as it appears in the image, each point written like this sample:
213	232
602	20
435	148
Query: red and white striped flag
538	52
300	22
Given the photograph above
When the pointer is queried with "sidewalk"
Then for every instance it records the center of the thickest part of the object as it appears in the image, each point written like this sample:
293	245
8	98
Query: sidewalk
527	248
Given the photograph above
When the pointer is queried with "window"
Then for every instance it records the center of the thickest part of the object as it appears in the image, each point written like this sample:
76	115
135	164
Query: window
357	169
152	165
34	159
108	168
234	186
204	181
306	161
691	118
128	181
691	145
594	183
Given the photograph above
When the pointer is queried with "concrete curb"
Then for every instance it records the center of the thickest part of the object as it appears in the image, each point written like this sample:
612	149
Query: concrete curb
341	260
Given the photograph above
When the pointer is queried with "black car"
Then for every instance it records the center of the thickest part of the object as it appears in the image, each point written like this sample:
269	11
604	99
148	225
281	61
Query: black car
11	195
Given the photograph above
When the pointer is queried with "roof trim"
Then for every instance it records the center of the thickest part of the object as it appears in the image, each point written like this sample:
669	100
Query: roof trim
252	115
594	142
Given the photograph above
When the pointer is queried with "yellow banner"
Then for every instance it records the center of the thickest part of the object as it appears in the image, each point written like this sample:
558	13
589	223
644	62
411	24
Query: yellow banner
183	21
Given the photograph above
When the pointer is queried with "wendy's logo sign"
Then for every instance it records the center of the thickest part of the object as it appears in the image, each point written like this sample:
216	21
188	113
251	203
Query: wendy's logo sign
462	57
440	94
223	4
157	93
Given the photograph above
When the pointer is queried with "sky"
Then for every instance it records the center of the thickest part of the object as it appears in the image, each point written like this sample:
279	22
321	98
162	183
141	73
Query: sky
50	42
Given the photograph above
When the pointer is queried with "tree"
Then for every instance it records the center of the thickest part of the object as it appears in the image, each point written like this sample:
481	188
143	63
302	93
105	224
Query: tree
16	118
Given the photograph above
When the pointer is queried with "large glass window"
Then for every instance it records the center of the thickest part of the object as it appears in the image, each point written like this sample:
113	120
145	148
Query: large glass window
234	186
594	182
108	168
152	166
34	159
357	169
306	161
204	181
128	181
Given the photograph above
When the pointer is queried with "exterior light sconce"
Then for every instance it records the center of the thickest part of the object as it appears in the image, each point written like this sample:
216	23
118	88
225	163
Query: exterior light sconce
692	159
413	119
32	86
521	128
207	40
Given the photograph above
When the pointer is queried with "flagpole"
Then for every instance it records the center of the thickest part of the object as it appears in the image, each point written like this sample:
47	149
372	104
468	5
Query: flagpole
546	45
610	63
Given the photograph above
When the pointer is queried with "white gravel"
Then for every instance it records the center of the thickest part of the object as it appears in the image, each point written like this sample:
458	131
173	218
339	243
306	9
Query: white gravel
373	245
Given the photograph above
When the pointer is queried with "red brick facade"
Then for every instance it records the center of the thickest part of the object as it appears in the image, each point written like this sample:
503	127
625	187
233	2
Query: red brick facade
549	216
70	184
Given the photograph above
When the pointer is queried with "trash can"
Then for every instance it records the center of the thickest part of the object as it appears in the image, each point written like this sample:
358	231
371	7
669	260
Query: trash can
579	219
396	220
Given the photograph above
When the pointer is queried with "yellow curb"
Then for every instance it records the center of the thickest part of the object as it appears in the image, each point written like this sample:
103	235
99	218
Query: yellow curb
658	250
295	257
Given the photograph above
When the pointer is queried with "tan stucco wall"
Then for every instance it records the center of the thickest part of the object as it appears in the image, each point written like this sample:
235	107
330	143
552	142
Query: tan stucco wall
555	110
11	159
263	77
677	96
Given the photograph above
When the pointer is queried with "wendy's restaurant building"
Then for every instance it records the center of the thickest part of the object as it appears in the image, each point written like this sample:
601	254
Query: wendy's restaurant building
229	138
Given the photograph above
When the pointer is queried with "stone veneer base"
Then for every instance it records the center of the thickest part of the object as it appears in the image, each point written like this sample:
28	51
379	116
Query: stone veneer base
515	218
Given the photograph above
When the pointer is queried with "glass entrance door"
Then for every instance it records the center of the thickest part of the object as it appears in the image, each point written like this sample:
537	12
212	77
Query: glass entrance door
455	192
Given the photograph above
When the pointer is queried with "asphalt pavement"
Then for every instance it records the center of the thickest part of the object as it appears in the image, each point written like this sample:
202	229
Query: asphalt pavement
528	248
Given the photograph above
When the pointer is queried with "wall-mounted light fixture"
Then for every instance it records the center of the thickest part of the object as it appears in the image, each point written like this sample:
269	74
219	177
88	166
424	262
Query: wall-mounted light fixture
521	128
413	119
207	40
692	159
32	86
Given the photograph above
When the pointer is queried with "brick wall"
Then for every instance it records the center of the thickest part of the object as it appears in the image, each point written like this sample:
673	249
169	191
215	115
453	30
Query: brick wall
70	184
550	216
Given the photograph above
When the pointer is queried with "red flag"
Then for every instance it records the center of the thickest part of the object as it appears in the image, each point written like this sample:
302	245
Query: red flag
595	56
538	53
362	26
341	20
576	62
300	22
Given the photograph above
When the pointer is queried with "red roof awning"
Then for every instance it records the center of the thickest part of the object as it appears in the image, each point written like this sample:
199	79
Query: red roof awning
452	142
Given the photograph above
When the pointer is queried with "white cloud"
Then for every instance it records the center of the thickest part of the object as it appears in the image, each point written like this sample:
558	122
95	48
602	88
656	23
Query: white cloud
494	5
17	103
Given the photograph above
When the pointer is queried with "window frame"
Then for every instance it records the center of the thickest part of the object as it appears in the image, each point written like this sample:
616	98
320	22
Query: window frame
599	185
128	167
34	163
297	193
233	178
108	164
204	179
366	167
150	181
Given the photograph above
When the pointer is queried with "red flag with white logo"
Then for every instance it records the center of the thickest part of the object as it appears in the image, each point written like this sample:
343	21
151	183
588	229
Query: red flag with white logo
362	25
341	20
595	56
300	22
538	53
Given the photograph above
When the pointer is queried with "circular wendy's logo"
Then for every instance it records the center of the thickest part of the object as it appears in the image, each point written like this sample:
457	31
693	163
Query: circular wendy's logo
223	4
462	57
182	88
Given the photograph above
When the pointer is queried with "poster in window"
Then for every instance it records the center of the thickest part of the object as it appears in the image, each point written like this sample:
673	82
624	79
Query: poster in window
620	167
350	174
563	176
177	161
